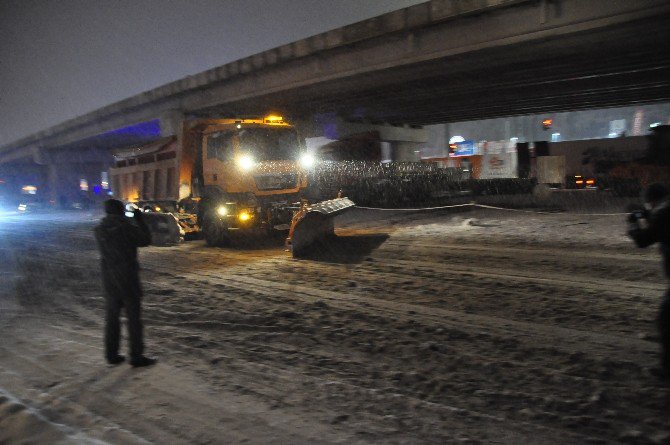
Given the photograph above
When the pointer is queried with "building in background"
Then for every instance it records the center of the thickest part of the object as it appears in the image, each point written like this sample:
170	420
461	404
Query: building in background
568	126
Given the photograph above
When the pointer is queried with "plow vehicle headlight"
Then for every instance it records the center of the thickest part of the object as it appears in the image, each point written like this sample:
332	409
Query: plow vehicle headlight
245	162
307	160
244	216
222	211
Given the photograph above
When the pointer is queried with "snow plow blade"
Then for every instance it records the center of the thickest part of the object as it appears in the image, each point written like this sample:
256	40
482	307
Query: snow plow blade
314	222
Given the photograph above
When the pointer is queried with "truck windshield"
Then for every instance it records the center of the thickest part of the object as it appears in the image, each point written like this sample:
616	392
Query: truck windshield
270	143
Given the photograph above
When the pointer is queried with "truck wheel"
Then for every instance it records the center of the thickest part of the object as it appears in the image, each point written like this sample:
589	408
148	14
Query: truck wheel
214	233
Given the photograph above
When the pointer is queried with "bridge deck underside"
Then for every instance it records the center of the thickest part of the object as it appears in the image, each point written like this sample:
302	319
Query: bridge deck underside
611	67
625	63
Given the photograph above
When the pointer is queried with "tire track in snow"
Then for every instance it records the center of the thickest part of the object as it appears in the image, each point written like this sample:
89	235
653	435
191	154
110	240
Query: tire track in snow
571	339
528	397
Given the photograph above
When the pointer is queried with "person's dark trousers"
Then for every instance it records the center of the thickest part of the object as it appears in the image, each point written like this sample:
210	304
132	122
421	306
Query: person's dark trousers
126	293
664	329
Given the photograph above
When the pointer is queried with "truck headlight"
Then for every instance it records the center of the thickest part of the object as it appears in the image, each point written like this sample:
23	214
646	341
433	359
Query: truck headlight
222	210
307	160
245	162
244	216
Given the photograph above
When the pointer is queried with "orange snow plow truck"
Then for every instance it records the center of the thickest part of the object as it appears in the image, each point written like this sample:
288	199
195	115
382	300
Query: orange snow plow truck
227	178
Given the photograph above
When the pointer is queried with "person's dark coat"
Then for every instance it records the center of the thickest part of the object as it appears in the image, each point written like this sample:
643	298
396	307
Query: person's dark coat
118	238
656	231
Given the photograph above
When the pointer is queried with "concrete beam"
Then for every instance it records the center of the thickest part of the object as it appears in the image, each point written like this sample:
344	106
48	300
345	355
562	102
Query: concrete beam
10	156
43	156
436	30
334	127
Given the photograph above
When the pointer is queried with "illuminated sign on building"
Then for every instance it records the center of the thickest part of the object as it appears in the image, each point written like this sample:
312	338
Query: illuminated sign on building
465	148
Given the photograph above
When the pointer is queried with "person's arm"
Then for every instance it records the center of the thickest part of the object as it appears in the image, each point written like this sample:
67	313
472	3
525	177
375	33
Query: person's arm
139	234
645	236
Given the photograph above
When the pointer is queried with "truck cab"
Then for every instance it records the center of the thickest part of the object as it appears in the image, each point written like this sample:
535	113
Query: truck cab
257	156
252	176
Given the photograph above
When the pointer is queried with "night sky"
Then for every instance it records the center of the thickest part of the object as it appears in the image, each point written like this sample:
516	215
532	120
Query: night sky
62	59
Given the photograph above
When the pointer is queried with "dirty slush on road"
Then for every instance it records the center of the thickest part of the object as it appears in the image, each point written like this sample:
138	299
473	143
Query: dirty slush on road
472	327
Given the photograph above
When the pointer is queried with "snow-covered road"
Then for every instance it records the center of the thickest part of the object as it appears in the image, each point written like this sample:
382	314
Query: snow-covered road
481	326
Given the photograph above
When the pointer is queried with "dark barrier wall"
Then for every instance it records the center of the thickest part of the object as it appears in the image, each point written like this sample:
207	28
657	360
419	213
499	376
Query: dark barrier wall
523	160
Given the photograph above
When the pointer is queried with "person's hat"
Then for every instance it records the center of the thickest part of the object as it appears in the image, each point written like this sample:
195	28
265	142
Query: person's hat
655	192
114	207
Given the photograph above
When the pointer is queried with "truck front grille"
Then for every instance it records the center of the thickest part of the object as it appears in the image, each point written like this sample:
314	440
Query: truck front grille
276	181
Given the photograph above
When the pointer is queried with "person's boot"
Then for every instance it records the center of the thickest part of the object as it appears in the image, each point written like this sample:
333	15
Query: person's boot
116	359
143	361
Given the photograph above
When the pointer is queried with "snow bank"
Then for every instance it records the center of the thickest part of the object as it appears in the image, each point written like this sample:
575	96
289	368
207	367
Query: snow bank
22	424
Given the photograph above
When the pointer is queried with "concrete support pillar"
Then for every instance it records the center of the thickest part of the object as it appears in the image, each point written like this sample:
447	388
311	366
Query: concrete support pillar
53	182
171	122
437	140
387	152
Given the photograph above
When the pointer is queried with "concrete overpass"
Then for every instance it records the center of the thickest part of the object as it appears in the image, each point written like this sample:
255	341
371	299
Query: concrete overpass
440	61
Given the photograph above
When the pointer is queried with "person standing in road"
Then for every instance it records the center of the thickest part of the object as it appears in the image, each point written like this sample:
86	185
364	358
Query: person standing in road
118	238
656	230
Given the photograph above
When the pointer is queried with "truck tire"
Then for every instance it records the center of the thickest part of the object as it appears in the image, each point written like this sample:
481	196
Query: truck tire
215	233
